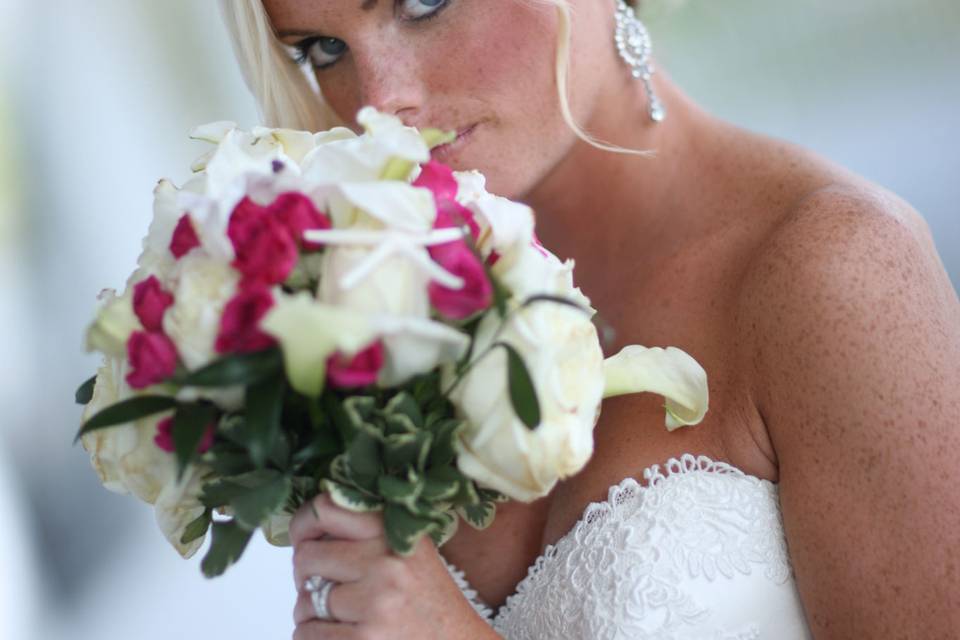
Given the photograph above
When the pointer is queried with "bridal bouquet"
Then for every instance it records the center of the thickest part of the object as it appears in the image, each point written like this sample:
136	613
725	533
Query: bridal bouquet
333	312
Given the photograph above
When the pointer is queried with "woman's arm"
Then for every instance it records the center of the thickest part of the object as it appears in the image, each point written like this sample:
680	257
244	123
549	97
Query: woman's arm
854	332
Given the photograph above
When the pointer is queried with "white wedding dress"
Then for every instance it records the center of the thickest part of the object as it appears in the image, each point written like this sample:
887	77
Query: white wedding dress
696	554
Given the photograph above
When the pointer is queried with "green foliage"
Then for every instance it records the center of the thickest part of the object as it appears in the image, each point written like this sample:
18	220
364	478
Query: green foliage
228	543
85	391
197	528
126	411
523	395
190	422
264	403
244	369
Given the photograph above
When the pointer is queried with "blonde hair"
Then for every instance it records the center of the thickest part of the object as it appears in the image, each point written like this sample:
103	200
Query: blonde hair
289	97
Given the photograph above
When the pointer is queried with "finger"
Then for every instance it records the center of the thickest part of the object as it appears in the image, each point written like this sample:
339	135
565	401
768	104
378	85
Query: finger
321	516
321	630
340	560
347	602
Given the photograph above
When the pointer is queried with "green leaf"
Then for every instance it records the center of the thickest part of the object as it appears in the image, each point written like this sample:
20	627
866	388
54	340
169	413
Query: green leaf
467	494
407	449
324	444
399	423
478	516
244	368
436	490
229	541
523	395
190	422
400	491
85	391
197	528
492	495
340	469
404	404
404	529
227	462
443	452
363	460
264	401
349	497
126	411
447	529
223	491
256	505
333	409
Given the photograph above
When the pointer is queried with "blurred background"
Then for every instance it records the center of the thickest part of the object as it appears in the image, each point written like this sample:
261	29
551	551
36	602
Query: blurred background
96	99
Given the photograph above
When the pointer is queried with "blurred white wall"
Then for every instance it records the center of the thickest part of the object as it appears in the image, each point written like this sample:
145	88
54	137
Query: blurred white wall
96	99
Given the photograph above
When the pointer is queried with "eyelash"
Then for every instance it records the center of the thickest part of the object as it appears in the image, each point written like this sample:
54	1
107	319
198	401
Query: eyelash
302	48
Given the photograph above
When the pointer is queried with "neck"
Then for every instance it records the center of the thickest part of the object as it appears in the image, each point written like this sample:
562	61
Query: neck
609	210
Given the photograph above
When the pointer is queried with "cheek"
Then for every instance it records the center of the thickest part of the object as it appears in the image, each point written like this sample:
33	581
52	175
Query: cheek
504	58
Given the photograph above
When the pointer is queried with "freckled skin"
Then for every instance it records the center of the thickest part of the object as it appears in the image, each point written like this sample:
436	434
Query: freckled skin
814	299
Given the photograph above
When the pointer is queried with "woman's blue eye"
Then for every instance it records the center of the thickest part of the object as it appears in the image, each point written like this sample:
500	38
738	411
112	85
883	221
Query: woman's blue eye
321	52
416	9
324	51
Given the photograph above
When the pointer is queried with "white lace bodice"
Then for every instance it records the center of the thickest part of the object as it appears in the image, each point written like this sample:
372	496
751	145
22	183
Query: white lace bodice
696	554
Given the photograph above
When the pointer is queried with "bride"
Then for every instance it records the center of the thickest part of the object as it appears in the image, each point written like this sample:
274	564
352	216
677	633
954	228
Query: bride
818	498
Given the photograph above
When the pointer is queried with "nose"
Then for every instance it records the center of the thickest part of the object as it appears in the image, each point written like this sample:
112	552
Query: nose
390	80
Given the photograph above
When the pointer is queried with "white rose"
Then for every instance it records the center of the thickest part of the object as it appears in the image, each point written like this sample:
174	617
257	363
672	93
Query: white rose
560	348
201	287
177	505
125	457
156	258
395	286
128	461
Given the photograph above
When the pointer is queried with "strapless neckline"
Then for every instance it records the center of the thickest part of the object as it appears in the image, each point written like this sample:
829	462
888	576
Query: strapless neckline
653	475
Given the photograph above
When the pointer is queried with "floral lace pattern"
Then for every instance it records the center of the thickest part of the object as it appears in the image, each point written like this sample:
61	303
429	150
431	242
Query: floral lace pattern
696	554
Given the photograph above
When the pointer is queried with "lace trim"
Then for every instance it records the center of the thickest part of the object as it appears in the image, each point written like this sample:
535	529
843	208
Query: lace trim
618	494
626	490
469	593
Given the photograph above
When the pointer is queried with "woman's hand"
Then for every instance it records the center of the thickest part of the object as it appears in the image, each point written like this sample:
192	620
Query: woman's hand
382	595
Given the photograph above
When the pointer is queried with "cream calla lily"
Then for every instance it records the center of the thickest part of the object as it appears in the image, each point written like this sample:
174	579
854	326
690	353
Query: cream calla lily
669	372
397	205
309	332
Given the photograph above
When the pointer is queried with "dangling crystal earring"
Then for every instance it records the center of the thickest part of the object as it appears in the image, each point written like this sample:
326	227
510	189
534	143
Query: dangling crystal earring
633	44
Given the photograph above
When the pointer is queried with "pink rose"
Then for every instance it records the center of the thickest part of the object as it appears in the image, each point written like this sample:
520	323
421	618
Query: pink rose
184	237
152	356
265	251
150	302
358	371
477	292
240	324
164	437
438	178
298	214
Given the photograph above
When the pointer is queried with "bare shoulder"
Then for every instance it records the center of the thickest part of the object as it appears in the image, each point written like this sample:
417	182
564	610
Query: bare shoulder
851	329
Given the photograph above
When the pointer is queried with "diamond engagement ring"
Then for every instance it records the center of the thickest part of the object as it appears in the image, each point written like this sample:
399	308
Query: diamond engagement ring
319	589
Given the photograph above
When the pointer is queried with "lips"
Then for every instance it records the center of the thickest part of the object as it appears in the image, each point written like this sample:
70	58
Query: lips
445	151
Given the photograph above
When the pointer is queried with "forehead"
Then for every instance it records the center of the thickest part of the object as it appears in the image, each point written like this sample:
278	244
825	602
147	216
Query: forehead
285	10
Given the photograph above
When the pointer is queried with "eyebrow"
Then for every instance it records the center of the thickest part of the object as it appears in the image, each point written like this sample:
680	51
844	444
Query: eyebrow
366	5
